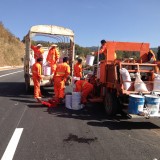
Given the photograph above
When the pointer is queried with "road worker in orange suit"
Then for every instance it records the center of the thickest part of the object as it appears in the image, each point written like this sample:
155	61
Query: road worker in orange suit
37	77
53	57
60	77
38	51
103	50
85	88
78	68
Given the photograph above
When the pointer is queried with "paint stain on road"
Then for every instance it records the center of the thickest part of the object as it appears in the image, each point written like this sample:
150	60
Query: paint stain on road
75	138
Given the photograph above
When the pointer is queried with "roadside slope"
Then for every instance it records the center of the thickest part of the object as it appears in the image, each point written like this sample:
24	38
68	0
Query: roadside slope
12	49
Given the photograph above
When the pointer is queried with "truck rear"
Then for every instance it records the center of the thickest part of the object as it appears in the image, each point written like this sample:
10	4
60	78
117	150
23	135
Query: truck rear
64	37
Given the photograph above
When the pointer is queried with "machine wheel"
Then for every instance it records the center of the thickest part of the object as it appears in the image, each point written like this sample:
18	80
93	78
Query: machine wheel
110	104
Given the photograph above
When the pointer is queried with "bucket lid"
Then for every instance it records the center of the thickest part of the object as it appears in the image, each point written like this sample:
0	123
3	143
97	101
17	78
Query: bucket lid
151	96
136	96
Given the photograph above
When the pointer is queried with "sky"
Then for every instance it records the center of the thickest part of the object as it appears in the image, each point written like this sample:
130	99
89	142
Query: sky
91	20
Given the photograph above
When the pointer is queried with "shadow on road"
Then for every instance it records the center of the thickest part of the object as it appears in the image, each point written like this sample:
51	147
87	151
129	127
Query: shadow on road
93	114
124	125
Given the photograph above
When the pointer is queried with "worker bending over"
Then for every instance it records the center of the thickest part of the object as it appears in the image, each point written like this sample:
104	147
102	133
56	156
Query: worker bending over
78	68
37	77
61	74
85	88
53	57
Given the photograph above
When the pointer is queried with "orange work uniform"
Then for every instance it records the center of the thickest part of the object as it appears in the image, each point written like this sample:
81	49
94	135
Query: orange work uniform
85	88
102	52
78	70
60	76
36	72
38	52
103	49
52	57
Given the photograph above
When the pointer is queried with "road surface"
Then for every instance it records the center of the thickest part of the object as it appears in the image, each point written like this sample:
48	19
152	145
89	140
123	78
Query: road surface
30	131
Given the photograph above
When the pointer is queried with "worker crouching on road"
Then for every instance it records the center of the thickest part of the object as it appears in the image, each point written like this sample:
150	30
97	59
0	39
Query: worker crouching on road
53	58
78	68
61	74
37	77
85	88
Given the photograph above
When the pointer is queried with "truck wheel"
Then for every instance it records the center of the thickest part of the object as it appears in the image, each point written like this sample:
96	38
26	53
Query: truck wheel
27	87
110	104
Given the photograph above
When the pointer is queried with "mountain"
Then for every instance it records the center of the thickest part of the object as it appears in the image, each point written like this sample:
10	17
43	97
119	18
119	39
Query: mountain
12	49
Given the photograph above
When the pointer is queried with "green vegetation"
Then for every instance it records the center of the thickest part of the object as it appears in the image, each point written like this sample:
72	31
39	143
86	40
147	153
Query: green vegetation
12	49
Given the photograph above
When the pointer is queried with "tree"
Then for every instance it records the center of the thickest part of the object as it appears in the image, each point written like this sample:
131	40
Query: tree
158	53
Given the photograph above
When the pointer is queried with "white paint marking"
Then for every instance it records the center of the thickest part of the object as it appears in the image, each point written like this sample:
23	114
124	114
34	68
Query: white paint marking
10	73
11	148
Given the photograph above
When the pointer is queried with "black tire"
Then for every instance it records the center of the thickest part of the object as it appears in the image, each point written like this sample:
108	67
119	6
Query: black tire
111	104
28	87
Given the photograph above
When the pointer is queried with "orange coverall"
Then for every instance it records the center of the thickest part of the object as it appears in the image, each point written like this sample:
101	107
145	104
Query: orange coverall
38	52
36	72
78	70
85	88
52	57
60	76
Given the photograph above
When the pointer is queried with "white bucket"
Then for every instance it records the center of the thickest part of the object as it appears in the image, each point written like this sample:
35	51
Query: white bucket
76	101
32	61
152	103
68	101
46	70
90	60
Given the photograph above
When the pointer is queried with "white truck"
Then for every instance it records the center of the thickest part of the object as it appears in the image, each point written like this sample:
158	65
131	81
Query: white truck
59	35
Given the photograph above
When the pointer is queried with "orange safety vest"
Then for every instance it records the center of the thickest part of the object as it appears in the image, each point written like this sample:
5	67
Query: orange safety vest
62	70
36	71
81	84
37	52
78	70
53	55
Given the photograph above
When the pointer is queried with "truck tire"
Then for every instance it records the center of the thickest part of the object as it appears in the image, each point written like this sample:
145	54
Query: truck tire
110	104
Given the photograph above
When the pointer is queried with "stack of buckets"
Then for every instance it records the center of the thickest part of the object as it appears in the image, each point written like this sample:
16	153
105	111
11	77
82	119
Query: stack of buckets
137	103
73	101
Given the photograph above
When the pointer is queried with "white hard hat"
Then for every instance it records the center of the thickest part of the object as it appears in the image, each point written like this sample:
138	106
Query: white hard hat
39	45
76	78
53	45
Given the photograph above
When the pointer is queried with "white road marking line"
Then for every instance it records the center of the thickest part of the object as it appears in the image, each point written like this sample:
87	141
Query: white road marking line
11	148
10	73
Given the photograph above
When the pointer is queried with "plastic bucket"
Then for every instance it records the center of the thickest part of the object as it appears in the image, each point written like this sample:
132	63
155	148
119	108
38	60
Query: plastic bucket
68	101
89	60
136	104
76	101
32	61
152	104
46	70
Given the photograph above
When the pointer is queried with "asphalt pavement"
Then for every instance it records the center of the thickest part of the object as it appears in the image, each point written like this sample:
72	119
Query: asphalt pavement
31	131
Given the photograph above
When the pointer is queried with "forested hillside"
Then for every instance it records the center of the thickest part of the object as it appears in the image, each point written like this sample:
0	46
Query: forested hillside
11	48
